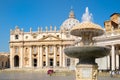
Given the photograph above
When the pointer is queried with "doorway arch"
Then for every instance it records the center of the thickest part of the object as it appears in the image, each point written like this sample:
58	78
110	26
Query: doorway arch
16	61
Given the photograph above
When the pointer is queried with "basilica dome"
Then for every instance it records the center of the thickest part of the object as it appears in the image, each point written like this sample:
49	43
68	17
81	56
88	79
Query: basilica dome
70	22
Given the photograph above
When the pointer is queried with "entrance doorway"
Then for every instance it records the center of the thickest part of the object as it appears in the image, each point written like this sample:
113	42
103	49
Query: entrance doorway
16	61
51	62
35	62
119	61
110	63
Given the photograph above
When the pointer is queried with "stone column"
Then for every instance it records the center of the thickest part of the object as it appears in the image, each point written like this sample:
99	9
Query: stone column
38	57
46	50
117	61
30	62
54	56
11	57
21	56
108	62
60	56
113	57
63	57
41	62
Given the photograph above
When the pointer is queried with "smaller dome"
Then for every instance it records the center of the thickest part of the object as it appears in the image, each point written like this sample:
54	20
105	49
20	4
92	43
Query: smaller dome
70	22
87	27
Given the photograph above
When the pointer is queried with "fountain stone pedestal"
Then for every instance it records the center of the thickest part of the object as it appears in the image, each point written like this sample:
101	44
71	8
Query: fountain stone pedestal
86	72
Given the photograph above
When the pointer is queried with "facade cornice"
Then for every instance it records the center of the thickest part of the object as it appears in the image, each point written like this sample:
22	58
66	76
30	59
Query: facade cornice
39	43
24	41
111	40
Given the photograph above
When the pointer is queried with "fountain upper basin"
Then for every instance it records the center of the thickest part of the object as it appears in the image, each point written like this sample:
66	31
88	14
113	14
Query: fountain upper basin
87	51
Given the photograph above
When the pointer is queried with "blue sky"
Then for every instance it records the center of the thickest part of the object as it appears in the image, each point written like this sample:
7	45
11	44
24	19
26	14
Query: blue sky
34	13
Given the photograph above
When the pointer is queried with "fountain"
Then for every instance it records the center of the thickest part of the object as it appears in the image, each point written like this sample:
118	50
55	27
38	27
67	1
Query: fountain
86	68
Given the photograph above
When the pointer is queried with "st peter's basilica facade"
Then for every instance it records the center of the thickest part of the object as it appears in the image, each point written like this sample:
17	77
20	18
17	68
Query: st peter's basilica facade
45	48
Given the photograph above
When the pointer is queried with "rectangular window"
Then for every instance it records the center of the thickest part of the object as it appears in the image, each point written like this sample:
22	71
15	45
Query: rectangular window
50	49
68	61
34	50
16	49
43	49
57	63
44	63
57	49
16	37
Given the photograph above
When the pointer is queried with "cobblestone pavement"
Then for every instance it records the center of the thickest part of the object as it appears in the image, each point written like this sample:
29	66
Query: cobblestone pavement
108	78
41	76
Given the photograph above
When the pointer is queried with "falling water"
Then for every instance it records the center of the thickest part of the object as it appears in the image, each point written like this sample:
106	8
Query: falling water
87	16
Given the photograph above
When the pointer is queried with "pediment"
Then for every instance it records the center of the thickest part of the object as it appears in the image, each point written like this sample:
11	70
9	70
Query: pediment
49	38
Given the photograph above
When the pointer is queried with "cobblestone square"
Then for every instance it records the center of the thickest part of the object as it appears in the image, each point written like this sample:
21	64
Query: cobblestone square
43	76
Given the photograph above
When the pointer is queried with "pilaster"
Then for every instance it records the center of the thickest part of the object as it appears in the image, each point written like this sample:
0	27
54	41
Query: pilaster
117	58
41	62
60	56
38	57
21	56
30	62
11	57
63	57
54	56
46	50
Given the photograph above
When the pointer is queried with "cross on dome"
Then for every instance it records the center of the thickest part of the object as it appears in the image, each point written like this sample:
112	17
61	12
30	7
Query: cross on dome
71	14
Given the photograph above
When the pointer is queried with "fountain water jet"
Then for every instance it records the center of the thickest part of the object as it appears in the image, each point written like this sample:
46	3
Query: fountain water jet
87	16
86	69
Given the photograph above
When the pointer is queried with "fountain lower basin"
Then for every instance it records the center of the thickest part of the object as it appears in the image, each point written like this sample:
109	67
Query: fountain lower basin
87	51
87	54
